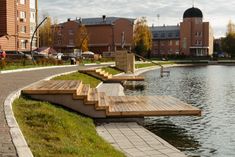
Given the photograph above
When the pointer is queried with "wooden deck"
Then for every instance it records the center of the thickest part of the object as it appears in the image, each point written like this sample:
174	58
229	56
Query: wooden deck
112	106
150	106
106	77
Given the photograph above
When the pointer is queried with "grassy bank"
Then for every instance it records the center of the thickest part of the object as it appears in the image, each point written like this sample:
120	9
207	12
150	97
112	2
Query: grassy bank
53	131
86	79
112	71
144	65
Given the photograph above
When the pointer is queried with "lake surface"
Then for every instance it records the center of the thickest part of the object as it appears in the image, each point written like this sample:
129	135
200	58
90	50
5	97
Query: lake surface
210	88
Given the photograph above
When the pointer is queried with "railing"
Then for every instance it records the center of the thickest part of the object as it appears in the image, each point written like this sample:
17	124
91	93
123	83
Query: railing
162	71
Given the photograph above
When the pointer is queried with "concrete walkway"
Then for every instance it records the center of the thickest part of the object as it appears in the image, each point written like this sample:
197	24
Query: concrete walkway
10	83
136	141
131	138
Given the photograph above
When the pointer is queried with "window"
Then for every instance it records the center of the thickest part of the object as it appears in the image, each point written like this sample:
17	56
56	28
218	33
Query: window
22	15
170	42
32	16
71	42
177	42
23	29
23	44
22	1
71	32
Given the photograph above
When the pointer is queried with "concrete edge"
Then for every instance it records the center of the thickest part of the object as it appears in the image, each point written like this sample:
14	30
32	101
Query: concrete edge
105	63
32	69
17	136
100	84
18	139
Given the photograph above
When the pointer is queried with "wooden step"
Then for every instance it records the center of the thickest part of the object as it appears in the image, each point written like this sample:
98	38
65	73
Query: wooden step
93	97
53	87
83	93
98	70
102	72
103	102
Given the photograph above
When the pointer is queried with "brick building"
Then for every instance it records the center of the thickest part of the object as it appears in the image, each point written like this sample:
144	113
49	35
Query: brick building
105	34
192	37
165	40
15	24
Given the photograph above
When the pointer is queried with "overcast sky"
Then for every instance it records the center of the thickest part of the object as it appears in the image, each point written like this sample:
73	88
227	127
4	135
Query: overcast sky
217	12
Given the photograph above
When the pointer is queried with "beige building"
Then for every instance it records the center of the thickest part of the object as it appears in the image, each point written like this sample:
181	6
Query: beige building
15	24
192	37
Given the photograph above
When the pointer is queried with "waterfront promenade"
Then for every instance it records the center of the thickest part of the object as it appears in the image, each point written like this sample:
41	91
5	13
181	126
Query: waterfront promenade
11	82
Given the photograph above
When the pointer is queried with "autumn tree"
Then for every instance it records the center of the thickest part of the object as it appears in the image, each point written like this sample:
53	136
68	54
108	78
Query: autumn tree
228	43
45	33
142	37
82	38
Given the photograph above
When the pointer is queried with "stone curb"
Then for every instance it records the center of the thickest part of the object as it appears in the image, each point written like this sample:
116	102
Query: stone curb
18	139
31	69
107	63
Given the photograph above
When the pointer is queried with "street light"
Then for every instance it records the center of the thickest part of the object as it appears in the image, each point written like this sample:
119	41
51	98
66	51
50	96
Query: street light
31	42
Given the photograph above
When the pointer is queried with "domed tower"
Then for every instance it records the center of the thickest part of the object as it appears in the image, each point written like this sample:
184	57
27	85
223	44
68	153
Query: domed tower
193	13
196	36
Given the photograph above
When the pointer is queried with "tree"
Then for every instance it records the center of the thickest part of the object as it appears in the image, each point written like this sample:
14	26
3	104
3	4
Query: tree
230	27
142	37
228	43
82	38
45	33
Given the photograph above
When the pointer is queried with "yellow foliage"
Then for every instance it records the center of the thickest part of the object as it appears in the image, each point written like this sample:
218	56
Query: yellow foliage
45	33
142	35
82	38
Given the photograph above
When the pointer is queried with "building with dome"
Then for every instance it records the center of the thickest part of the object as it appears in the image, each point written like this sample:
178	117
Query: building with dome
192	37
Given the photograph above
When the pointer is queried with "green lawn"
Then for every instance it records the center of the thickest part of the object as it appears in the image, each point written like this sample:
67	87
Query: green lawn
52	131
86	79
144	65
112	71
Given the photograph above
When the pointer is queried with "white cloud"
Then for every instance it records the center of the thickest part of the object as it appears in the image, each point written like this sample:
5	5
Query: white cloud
217	12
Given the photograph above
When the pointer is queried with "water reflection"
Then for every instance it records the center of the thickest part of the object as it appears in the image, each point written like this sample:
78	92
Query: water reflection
210	88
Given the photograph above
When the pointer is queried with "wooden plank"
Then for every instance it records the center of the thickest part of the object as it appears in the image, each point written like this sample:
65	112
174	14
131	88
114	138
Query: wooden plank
146	106
84	91
92	97
53	87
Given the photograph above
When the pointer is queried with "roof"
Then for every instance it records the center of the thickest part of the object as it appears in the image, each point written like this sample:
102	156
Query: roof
165	32
193	12
101	20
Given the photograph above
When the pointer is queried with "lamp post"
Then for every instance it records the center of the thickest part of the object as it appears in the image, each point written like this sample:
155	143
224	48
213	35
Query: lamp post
31	42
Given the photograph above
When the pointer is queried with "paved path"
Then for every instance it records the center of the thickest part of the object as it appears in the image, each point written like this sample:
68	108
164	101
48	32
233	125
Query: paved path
10	83
136	141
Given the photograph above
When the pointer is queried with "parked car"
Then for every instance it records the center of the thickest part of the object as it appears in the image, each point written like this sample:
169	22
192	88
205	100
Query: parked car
17	55
88	54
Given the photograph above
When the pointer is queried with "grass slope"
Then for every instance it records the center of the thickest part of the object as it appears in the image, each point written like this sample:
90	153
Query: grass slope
112	71
86	79
52	131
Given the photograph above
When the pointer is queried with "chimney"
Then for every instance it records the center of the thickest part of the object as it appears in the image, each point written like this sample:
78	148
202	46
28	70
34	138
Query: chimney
104	18
80	20
69	19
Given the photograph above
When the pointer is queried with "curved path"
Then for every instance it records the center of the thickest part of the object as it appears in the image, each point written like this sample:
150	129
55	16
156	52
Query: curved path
11	82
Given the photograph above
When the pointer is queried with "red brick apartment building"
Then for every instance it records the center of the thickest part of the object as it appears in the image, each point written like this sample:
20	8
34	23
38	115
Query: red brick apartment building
15	24
192	38
105	34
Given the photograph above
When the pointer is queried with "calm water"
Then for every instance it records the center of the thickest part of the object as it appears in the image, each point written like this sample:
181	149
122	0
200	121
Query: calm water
212	89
